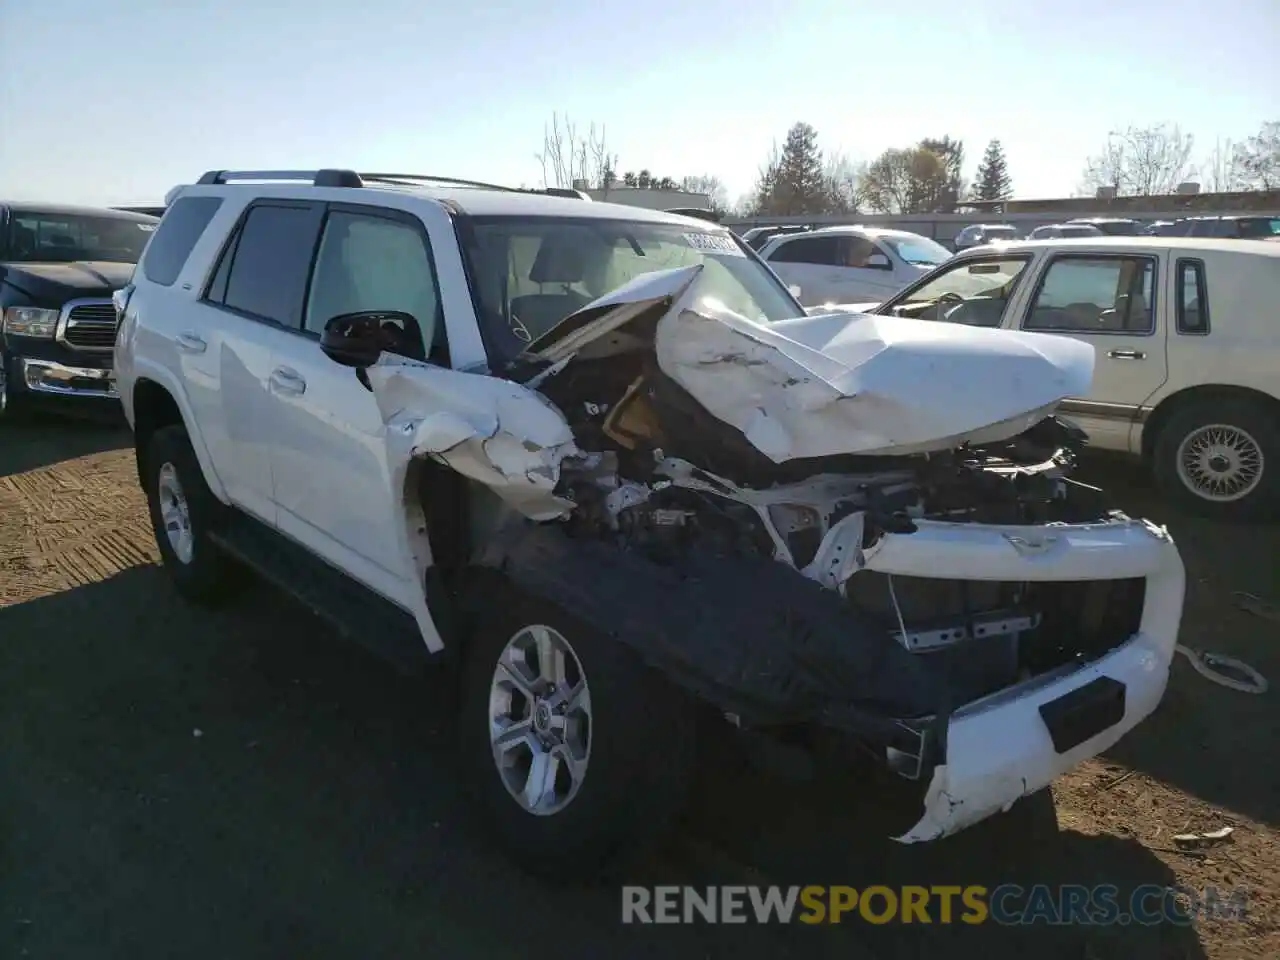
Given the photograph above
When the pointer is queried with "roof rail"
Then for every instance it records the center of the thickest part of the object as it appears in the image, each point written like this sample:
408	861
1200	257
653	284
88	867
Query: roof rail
333	177
563	192
318	178
428	178
479	184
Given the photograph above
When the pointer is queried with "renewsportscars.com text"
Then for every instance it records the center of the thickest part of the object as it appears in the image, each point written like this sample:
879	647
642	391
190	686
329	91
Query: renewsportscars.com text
1006	905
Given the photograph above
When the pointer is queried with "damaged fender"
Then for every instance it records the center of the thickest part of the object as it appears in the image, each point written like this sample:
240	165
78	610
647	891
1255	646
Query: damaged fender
491	430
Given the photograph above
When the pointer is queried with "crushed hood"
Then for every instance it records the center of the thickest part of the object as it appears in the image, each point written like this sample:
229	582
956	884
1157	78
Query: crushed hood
834	383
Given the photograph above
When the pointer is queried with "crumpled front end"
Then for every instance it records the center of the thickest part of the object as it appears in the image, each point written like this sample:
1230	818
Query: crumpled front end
843	525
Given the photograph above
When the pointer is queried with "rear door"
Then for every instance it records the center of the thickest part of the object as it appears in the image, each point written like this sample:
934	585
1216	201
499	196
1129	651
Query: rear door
1114	302
811	263
253	297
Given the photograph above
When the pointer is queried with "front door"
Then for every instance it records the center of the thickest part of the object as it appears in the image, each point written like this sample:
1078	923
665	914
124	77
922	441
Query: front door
335	488
1113	302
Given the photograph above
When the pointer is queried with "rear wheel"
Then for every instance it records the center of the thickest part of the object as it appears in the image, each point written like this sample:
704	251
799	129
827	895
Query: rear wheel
183	514
1221	460
578	756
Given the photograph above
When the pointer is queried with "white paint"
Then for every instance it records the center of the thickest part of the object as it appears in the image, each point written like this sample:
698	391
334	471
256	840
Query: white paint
490	430
999	749
848	383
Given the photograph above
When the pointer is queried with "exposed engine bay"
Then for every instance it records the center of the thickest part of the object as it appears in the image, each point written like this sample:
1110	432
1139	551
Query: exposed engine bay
671	493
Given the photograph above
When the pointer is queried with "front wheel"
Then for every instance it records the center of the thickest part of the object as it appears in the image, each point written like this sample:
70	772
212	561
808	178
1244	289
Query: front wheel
1221	459
577	754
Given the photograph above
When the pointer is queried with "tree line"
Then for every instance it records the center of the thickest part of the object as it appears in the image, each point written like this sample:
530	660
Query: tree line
929	176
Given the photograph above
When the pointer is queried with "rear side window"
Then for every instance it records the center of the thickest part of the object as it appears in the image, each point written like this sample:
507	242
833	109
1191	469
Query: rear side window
264	269
1259	227
1193	298
820	250
176	236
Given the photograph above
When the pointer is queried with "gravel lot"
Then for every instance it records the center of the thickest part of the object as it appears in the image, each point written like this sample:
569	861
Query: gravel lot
245	784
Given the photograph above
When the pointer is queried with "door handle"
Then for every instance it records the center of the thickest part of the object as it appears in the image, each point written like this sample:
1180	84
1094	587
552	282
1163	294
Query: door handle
289	382
190	343
1126	355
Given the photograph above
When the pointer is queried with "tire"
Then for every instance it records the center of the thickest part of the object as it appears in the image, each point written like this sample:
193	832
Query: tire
639	756
201	572
7	411
1248	427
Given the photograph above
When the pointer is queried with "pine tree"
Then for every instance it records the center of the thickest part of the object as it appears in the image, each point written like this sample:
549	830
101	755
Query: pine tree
993	181
798	184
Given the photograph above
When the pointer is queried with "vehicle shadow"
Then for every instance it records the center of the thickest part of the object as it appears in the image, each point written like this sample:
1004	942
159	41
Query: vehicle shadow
242	782
38	439
837	832
1207	739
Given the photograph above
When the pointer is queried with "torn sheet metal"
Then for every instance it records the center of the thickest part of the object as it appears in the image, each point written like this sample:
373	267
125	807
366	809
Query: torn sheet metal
490	430
851	384
591	325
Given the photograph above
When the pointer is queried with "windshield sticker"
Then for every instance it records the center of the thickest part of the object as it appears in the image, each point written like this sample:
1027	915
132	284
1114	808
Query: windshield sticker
714	243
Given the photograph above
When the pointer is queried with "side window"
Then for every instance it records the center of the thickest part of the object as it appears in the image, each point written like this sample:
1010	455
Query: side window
1205	228
1193	298
823	251
372	262
174	239
855	251
264	271
1095	295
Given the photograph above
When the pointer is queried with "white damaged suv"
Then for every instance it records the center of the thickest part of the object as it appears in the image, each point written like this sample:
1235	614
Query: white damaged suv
601	456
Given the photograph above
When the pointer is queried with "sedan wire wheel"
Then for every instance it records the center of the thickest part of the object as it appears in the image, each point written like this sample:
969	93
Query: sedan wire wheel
1220	462
540	720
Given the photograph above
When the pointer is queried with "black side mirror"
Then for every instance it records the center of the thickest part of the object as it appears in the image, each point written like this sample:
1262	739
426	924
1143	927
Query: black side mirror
359	339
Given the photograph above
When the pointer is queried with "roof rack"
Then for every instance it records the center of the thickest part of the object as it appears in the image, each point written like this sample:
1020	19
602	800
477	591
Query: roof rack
333	177
318	178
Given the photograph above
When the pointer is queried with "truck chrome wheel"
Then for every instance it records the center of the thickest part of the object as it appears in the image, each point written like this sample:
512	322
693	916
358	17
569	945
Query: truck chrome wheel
1220	462
540	720
175	513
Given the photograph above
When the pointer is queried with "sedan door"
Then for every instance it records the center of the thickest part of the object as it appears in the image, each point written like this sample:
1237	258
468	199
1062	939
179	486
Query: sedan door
1112	301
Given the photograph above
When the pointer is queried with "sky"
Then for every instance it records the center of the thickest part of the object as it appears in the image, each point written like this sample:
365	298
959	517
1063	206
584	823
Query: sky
118	102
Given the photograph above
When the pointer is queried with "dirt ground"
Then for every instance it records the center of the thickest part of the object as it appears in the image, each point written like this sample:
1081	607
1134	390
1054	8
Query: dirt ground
245	784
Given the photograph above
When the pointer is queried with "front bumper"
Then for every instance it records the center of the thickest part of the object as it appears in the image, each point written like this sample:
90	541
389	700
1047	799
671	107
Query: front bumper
49	378
1005	746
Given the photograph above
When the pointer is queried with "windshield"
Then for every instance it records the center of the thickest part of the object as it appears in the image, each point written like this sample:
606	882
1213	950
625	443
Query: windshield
975	292
920	251
61	238
530	273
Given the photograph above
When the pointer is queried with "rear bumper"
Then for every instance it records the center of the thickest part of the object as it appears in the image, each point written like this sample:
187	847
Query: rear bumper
1015	742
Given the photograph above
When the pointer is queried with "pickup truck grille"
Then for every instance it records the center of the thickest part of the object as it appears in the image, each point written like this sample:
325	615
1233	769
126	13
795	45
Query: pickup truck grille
90	325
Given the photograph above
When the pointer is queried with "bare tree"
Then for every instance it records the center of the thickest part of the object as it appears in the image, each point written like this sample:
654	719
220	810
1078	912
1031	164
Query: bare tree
1258	159
568	156
843	179
712	186
1220	170
904	181
1142	161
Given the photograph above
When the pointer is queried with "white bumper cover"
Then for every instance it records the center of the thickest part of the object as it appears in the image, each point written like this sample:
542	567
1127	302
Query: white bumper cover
999	748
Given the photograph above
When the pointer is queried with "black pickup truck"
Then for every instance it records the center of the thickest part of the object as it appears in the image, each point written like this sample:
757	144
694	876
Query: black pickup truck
59	266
